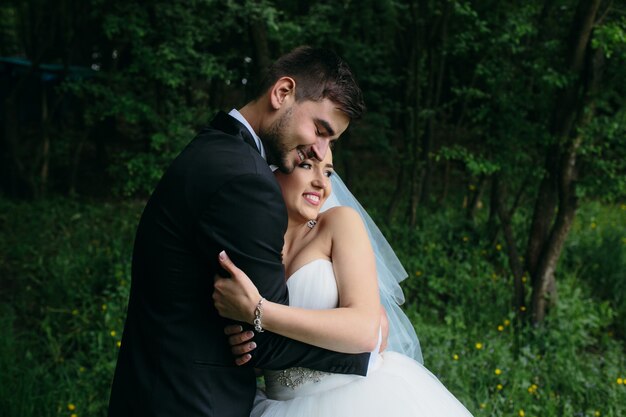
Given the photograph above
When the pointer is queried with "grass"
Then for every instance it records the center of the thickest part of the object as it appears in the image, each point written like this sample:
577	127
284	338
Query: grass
65	270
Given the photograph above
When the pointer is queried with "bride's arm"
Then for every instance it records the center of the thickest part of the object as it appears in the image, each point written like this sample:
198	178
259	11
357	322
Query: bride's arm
353	327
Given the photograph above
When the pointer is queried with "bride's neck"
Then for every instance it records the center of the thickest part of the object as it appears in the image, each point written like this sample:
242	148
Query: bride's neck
294	234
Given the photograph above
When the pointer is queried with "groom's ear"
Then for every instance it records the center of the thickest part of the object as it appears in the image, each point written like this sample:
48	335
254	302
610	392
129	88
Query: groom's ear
282	92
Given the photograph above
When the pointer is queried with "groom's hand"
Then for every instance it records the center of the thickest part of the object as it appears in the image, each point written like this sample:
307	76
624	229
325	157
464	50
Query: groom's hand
239	341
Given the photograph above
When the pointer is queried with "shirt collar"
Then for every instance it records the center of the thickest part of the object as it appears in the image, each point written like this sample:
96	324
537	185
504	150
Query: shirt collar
235	113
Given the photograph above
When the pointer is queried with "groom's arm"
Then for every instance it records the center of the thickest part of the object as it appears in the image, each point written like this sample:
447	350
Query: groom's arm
247	219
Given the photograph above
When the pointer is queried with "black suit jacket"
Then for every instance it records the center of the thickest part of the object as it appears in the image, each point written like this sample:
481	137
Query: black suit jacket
218	194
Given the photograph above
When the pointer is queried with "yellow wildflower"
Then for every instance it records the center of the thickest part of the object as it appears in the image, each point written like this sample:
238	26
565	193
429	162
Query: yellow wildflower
593	225
119	343
521	413
74	415
75	312
500	328
113	333
497	371
498	247
81	369
597	413
507	322
479	345
482	405
522	308
620	381
455	357
104	307
71	407
499	387
418	273
524	279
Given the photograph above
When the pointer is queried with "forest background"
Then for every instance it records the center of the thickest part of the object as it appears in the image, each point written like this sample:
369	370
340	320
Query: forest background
492	155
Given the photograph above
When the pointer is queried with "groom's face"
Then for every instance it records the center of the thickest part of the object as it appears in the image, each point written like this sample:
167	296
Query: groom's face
303	130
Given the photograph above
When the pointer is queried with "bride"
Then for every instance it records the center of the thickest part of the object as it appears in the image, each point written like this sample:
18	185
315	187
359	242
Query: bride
335	304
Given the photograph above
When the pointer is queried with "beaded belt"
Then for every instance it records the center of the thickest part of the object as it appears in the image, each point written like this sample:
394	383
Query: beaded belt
294	377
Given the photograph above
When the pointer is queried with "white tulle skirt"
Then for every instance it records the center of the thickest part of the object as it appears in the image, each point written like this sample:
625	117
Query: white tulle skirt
396	386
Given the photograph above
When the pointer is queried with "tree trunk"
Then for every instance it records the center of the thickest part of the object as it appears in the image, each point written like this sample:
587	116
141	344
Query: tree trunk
544	293
16	183
543	213
261	50
397	194
558	184
415	193
437	60
446	183
45	148
512	252
413	127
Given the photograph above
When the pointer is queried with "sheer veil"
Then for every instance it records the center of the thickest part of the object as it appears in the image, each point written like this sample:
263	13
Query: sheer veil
402	337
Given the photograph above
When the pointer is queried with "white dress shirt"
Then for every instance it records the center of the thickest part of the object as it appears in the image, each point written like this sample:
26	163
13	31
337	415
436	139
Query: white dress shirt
235	113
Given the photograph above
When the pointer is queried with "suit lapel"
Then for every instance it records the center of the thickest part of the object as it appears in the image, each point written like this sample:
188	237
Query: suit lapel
232	126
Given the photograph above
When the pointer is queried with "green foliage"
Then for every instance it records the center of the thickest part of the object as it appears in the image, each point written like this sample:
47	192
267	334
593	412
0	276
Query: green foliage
611	37
483	90
66	280
596	254
474	163
459	296
66	277
570	366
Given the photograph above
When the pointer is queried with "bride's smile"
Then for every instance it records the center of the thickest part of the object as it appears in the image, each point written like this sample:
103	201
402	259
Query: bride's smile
306	189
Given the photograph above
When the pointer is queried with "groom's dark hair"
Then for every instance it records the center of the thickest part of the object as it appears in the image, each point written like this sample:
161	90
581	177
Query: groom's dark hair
319	74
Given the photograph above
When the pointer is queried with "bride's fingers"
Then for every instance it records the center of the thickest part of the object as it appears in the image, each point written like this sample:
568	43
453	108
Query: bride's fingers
227	264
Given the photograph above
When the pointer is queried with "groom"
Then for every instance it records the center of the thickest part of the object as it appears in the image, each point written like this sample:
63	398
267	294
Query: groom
220	194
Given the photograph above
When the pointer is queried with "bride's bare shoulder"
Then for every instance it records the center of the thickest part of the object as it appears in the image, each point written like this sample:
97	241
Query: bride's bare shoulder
341	218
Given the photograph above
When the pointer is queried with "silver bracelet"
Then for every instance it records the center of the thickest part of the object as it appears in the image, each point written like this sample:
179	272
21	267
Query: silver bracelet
258	315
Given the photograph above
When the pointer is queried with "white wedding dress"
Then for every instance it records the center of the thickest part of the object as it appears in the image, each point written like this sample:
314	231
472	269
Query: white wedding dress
396	386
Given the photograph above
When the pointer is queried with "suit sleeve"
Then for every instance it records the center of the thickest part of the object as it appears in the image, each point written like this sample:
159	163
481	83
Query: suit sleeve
247	219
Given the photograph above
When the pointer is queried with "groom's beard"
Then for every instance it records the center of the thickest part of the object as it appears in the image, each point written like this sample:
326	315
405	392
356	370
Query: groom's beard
275	143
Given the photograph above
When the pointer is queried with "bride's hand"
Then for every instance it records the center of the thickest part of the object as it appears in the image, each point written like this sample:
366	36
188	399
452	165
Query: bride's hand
235	297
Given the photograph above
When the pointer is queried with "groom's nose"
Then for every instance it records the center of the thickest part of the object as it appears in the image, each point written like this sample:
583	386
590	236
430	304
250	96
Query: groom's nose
318	149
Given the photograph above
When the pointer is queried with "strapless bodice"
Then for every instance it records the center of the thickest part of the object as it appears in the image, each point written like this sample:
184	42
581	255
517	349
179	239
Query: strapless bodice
313	286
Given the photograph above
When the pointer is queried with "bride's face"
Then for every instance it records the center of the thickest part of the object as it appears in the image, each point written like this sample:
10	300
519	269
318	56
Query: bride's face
306	189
